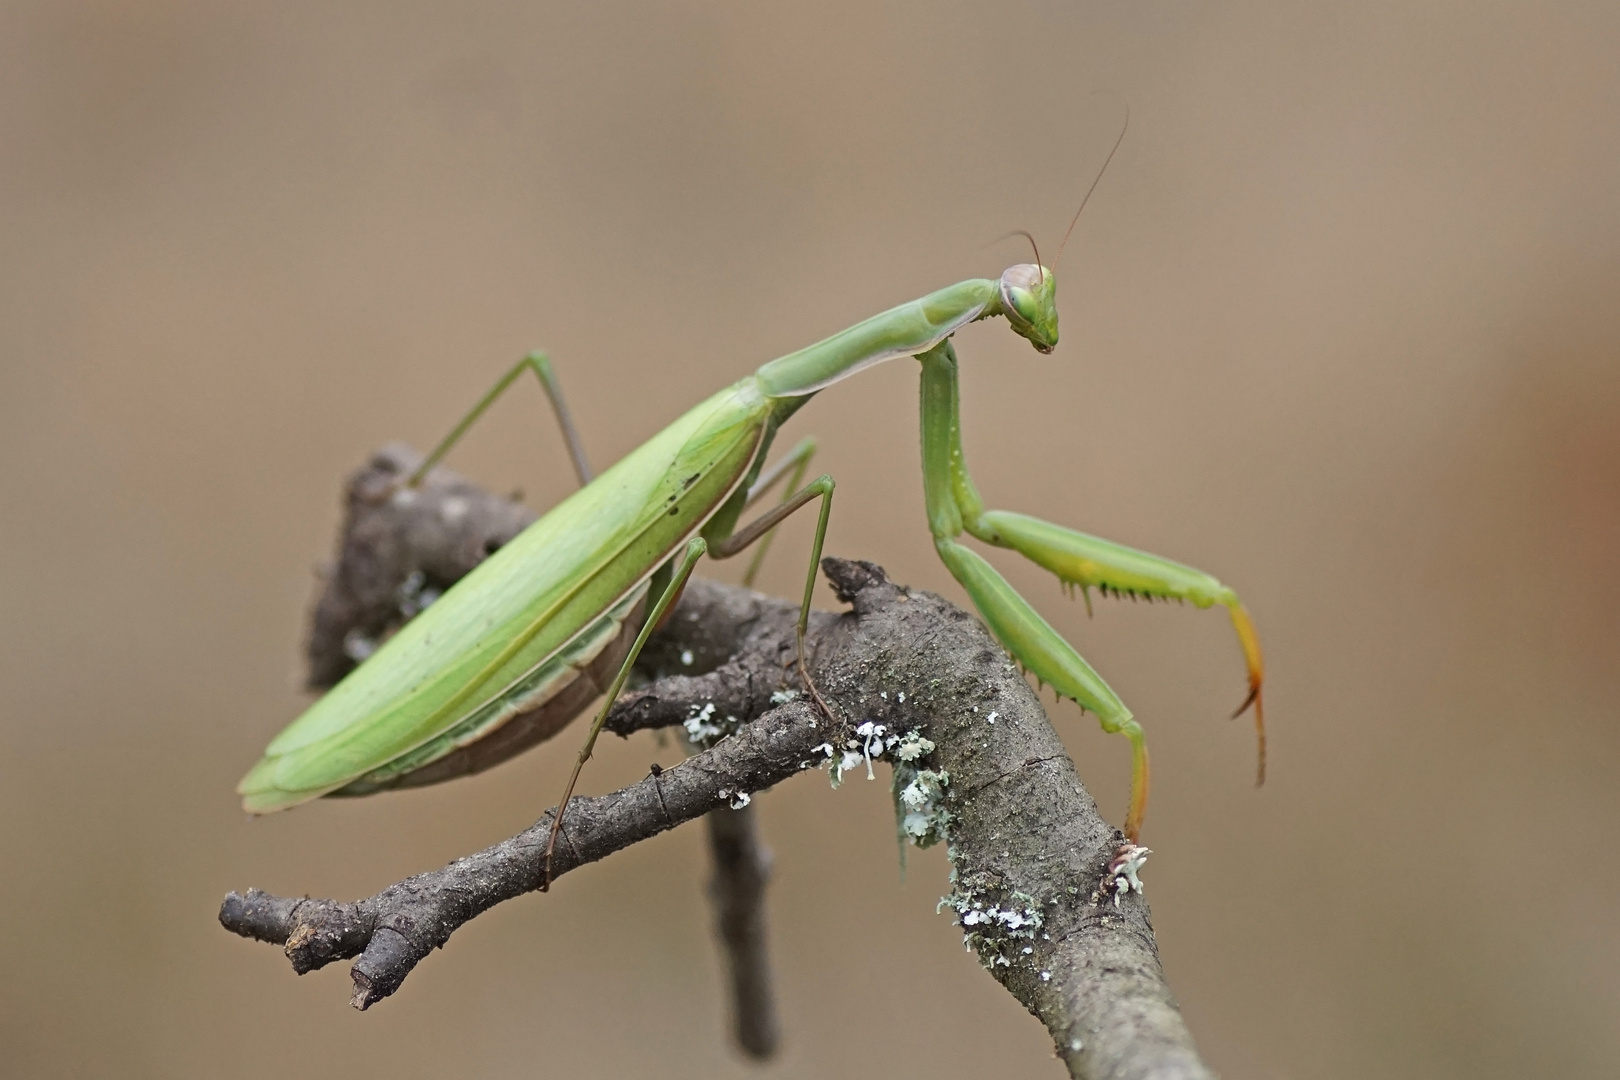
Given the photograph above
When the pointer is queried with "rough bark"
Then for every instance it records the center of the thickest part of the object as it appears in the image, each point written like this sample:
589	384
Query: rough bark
394	553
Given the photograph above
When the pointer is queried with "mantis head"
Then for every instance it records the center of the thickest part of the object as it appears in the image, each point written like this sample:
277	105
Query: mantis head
1029	290
1029	300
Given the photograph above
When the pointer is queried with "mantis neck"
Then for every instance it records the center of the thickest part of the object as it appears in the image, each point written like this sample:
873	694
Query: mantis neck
907	330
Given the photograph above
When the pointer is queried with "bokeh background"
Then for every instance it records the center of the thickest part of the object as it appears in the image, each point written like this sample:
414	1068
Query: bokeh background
1340	325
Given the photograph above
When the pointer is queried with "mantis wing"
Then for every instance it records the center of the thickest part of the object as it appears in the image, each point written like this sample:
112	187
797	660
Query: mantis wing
472	651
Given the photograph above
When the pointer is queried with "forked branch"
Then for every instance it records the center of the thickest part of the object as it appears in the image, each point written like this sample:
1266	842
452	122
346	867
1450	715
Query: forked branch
913	680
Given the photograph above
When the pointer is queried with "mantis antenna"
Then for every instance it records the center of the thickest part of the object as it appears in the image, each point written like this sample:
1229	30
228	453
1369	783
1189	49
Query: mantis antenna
1122	129
1025	234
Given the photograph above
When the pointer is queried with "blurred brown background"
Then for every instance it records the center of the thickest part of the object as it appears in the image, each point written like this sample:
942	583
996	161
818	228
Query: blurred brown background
1340	326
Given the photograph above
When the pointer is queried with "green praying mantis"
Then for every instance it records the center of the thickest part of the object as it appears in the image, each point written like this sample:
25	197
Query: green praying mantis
557	617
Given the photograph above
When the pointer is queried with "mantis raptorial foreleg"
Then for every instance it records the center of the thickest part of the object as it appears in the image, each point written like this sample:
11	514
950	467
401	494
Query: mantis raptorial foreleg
954	507
1019	626
722	546
540	364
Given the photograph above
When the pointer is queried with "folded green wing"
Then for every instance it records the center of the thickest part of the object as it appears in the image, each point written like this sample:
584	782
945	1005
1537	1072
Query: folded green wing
519	608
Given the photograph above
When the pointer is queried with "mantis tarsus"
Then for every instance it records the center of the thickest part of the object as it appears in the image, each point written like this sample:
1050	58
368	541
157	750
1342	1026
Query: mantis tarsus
522	644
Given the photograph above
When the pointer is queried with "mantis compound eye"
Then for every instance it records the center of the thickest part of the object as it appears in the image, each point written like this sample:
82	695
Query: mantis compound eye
1028	298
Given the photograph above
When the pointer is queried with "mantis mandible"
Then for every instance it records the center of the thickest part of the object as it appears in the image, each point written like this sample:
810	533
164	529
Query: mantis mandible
556	617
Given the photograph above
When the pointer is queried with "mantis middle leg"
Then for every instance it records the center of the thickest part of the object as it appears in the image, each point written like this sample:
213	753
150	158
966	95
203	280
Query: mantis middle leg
954	507
792	465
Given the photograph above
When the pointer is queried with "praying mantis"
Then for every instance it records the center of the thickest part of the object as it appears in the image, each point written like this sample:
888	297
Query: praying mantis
557	617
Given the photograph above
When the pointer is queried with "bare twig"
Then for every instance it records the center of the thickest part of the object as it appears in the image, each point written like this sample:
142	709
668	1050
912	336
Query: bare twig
742	866
392	931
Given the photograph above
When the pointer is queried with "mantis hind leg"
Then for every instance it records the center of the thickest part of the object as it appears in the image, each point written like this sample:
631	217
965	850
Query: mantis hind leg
695	548
540	364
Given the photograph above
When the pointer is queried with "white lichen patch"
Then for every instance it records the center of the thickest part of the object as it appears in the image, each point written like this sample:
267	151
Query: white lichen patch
996	930
869	745
358	646
1121	876
782	697
735	799
415	595
871	736
921	817
849	759
703	730
919	794
912	746
920	804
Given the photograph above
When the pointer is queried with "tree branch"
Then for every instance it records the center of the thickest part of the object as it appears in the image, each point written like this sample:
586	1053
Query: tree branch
742	867
913	681
392	931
